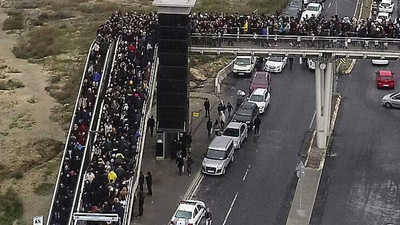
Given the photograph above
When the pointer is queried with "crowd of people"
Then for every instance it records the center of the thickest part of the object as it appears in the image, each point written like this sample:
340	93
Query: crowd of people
220	24
106	184
75	146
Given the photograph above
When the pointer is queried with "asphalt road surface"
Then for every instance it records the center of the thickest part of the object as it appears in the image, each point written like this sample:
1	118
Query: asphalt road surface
258	185
361	185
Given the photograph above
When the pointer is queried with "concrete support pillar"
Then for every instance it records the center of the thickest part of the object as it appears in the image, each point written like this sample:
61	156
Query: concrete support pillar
320	122
328	97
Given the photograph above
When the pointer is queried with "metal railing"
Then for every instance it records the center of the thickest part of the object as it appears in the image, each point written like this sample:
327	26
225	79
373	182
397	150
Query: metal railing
49	217
221	76
363	47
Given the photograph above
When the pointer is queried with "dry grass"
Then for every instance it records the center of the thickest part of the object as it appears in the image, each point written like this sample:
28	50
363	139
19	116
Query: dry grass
15	20
242	7
10	84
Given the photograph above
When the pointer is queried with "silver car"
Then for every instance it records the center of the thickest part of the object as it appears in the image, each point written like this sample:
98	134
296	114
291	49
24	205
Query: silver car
392	100
237	132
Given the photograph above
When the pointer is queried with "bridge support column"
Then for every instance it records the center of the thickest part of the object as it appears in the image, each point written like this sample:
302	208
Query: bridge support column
323	95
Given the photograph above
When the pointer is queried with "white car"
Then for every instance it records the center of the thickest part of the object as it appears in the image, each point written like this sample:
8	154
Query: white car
189	212
237	132
261	97
382	16
380	62
275	64
312	10
244	65
310	64
391	100
386	6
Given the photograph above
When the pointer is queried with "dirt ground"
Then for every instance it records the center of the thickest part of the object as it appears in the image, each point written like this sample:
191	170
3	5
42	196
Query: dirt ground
24	123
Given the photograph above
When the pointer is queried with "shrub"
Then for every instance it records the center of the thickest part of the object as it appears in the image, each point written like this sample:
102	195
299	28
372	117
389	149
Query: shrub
10	84
11	208
15	21
39	43
44	189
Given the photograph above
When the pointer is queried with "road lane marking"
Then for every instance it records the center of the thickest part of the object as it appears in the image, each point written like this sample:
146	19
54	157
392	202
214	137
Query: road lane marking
245	175
330	3
312	121
230	209
197	186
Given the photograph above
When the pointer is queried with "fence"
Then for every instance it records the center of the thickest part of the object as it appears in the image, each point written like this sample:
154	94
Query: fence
221	76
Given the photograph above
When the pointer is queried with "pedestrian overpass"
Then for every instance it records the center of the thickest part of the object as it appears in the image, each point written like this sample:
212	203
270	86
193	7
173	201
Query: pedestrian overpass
322	49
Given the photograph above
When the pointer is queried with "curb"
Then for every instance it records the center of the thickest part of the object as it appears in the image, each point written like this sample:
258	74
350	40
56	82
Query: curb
193	186
348	71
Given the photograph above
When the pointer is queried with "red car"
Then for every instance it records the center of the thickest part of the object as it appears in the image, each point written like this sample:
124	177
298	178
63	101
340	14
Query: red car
384	79
260	80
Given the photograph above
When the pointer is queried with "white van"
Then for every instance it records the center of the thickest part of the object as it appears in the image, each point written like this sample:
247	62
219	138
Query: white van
261	97
218	156
244	65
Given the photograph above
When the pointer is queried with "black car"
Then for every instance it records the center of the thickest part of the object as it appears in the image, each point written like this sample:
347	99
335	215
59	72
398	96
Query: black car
246	114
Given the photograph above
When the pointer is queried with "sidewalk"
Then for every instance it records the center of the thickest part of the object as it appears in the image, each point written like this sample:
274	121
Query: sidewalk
168	187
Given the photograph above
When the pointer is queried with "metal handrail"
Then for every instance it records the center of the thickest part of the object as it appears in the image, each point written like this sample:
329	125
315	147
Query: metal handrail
79	181
69	134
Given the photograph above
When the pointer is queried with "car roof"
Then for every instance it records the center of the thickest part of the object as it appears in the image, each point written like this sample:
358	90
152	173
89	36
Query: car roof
313	4
383	14
259	91
234	125
385	73
188	205
386	1
220	143
248	105
260	74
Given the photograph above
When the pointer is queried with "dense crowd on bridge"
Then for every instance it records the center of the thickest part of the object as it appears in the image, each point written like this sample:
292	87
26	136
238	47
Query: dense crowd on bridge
221	24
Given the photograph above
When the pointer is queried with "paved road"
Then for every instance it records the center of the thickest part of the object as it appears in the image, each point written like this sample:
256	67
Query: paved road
255	186
340	7
361	185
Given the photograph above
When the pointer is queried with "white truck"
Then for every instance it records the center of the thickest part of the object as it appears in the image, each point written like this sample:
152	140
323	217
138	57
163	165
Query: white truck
244	65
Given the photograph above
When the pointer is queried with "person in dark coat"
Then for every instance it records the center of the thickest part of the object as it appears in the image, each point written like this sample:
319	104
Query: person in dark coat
229	107
189	162
189	140
207	107
141	181
141	202
180	163
209	126
290	62
150	125
149	182
257	122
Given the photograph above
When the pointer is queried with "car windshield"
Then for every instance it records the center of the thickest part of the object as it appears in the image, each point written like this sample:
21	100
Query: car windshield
312	8
275	59
215	154
244	112
296	4
231	132
382	17
183	214
385	4
256	98
385	78
242	61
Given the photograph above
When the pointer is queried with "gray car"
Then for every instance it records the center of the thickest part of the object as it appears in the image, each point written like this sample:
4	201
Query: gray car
392	100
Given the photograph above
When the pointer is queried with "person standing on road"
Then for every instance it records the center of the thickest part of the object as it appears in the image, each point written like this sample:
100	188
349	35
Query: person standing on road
209	127
141	181
141	202
149	183
189	162
290	62
207	107
150	125
180	163
216	127
229	107
208	217
257	122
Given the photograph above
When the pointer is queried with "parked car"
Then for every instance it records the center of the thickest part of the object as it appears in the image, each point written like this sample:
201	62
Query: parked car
275	64
384	79
380	62
237	132
244	65
382	16
296	4
292	12
261	97
391	100
386	6
189	212
312	10
246	113
218	156
260	80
